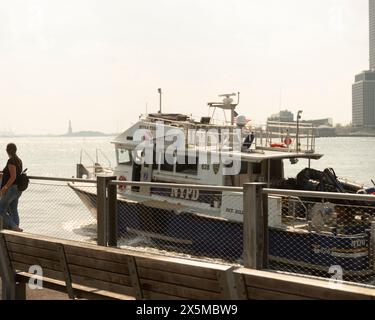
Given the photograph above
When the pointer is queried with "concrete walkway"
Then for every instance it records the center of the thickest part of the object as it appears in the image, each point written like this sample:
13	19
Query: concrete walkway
43	294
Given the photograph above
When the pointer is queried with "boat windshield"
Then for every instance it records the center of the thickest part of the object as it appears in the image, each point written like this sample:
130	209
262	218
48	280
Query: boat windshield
124	156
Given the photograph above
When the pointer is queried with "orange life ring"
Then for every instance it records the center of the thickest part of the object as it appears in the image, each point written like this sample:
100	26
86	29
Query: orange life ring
288	141
122	186
278	145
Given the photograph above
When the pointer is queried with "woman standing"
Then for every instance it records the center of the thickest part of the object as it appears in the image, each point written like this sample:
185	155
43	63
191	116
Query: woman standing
9	190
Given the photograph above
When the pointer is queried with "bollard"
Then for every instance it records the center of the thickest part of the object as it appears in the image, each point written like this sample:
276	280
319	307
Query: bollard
106	211
255	227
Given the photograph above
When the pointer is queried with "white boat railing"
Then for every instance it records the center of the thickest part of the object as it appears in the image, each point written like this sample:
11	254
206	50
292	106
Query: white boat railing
291	136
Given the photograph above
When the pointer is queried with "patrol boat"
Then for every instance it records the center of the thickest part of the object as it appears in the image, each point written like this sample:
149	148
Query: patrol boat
211	223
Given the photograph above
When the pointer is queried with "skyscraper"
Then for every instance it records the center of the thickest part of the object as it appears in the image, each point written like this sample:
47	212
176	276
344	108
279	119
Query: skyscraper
363	91
372	34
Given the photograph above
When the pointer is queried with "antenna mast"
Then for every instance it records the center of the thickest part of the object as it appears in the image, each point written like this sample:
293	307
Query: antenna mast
160	93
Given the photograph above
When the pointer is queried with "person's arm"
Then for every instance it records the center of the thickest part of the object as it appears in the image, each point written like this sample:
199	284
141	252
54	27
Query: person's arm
13	176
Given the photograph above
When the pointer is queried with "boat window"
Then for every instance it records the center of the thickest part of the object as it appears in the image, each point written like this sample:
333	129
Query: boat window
244	166
124	156
189	167
257	168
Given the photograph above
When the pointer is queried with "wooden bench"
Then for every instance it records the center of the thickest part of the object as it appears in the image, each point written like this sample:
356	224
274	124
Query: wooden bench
261	285
93	272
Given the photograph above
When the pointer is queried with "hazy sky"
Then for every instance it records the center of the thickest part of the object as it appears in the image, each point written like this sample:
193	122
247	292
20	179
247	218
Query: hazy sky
98	62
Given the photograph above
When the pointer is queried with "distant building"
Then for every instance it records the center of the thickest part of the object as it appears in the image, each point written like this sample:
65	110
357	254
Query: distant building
327	122
282	116
6	134
70	129
364	100
326	131
363	91
372	33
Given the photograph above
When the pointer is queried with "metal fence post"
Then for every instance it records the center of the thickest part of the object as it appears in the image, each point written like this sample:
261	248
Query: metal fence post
103	210
373	243
112	215
264	210
255	226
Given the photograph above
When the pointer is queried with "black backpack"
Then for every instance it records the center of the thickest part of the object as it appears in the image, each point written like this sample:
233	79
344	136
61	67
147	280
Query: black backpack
23	181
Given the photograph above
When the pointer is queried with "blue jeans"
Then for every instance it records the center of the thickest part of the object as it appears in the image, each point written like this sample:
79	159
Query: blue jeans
9	207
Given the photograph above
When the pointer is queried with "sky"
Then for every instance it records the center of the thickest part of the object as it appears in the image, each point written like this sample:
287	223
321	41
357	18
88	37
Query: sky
99	63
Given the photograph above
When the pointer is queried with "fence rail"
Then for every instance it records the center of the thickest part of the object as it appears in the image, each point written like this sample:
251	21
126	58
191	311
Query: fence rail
175	185
55	179
322	195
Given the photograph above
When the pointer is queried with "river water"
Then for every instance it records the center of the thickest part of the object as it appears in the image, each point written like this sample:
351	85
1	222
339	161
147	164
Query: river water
352	158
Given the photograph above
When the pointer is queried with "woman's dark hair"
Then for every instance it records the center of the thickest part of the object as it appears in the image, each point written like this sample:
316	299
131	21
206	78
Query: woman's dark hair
12	150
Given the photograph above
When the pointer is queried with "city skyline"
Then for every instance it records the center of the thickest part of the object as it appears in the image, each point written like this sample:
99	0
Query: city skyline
100	65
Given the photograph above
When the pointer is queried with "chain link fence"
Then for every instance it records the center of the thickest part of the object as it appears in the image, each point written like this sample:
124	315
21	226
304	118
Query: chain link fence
182	222
322	237
327	238
52	208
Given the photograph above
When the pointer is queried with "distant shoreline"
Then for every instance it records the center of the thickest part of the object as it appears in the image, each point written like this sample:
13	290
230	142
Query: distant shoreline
100	134
59	136
349	136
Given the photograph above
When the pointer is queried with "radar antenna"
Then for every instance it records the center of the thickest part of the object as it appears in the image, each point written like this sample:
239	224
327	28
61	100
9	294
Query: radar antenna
226	104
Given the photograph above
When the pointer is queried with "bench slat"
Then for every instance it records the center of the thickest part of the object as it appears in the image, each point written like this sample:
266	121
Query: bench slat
29	241
179	279
22	267
263	294
31	260
100	275
96	254
33	251
102	285
179	291
185	269
150	295
97	264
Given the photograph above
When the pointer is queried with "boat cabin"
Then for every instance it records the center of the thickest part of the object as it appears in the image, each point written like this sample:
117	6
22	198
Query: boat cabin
140	158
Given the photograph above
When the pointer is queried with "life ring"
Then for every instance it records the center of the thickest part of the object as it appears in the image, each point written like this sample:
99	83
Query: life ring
122	186
288	141
278	145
